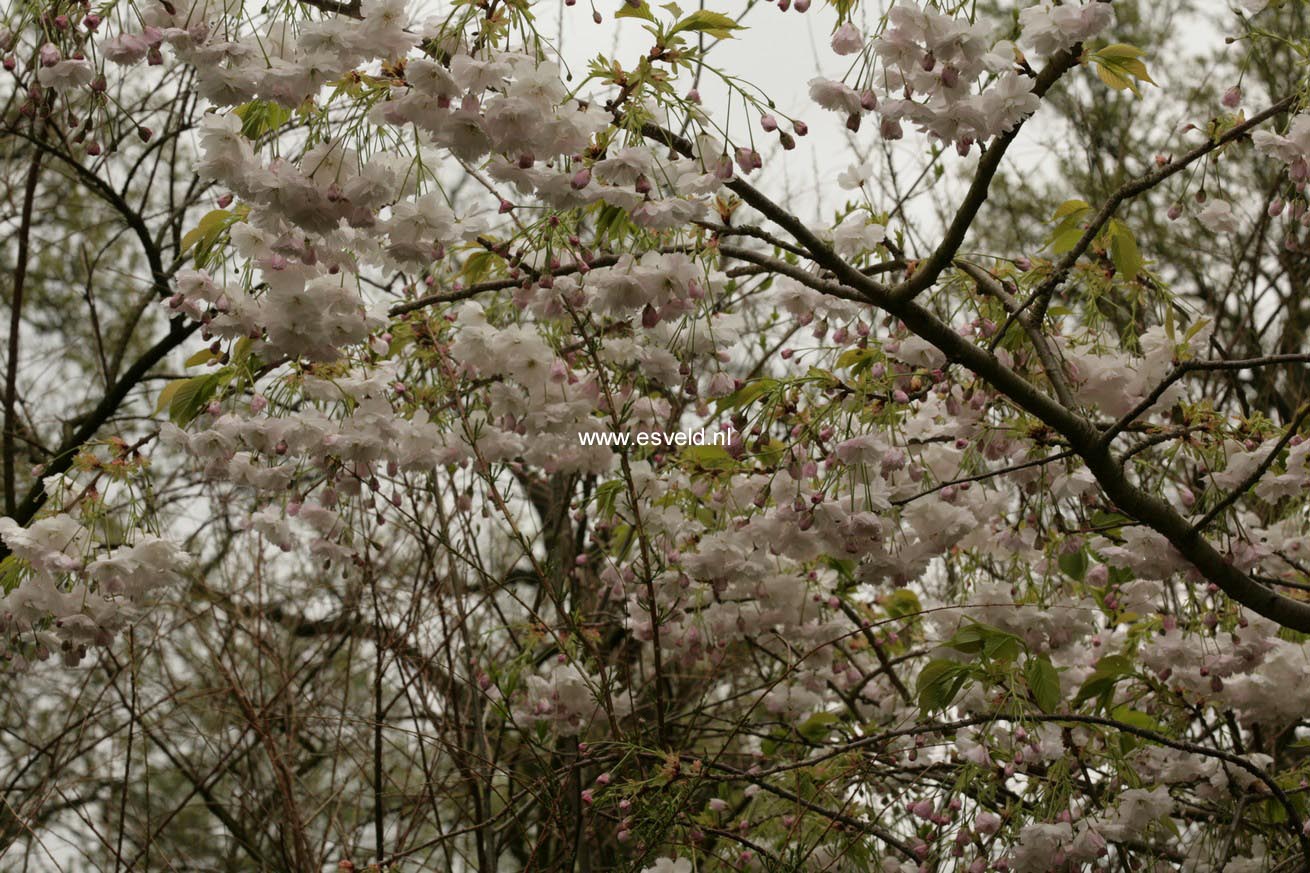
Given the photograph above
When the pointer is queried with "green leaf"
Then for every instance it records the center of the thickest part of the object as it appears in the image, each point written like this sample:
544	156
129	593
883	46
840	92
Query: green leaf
1043	681
1066	236
708	457
190	396
747	394
1123	250
11	573
1109	671
989	642
1070	208
1120	66
938	683
1135	718
166	396
902	602
204	356
1120	51
641	9
208	229
852	358
1074	565
714	24
816	727
259	117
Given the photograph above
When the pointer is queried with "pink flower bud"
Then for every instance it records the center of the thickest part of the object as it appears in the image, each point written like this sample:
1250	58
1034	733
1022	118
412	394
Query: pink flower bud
581	179
1232	97
92	21
748	159
1174	212
769	123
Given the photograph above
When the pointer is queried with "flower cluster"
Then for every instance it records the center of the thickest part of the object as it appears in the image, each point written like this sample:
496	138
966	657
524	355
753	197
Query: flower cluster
74	593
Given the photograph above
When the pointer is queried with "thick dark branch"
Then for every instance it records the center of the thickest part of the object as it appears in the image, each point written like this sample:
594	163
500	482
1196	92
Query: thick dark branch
15	332
989	284
179	330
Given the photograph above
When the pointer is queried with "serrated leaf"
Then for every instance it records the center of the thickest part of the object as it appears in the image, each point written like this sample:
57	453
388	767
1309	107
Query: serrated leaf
1074	564
852	357
208	229
714	24
1069	208
902	602
638	10
708	457
1135	718
989	642
1125	255
259	117
815	728
938	683
1108	672
191	396
204	356
1137	70
747	394
166	396
11	573
1065	238
1043	681
1116	81
1120	50
1119	65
